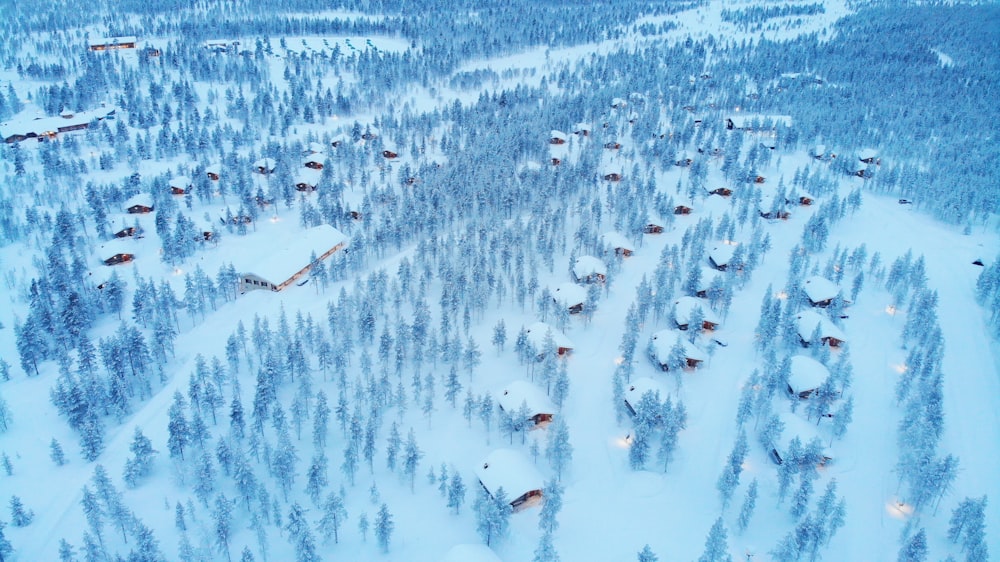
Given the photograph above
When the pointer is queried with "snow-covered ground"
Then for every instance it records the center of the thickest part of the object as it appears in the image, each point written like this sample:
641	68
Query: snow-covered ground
610	510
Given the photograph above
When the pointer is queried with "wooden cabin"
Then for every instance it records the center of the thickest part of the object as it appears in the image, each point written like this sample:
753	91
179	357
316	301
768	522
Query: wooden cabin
682	210
556	161
619	243
264	166
139	209
126	232
113	43
515	474
589	269
305	186
759	179
613	176
639	387
119	258
612	145
570	296
313	164
557	137
652	229
388	154
522	393
683	309
662	343
807	374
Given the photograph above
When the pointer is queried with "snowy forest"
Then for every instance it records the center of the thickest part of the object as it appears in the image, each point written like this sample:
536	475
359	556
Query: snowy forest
698	280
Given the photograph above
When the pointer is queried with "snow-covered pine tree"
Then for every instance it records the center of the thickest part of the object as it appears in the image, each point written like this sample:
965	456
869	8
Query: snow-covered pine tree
456	492
384	527
559	451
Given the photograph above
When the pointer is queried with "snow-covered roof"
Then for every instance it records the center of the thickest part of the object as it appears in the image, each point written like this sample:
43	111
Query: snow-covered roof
684	306
144	199
640	386
182	182
523	392
583	127
470	553
308	176
214	168
314	157
25	123
663	341
536	335
617	240
266	163
866	153
285	262
510	470
807	320
708	275
618	102
744	120
315	148
767	202
819	289
819	150
556	134
569	294
113	40
806	374
797	427
722	253
589	265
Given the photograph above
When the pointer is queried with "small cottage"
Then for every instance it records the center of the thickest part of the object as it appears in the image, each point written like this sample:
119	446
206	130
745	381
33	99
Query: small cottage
537	333
719	256
805	431
582	129
635	390
682	210
612	145
662	343
869	156
557	137
570	296
313	161
264	166
126	232
180	185
589	269
119	258
684	308
213	171
515	474
720	191
540	409
807	374
807	324
820	291
652	228
617	242
139	204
